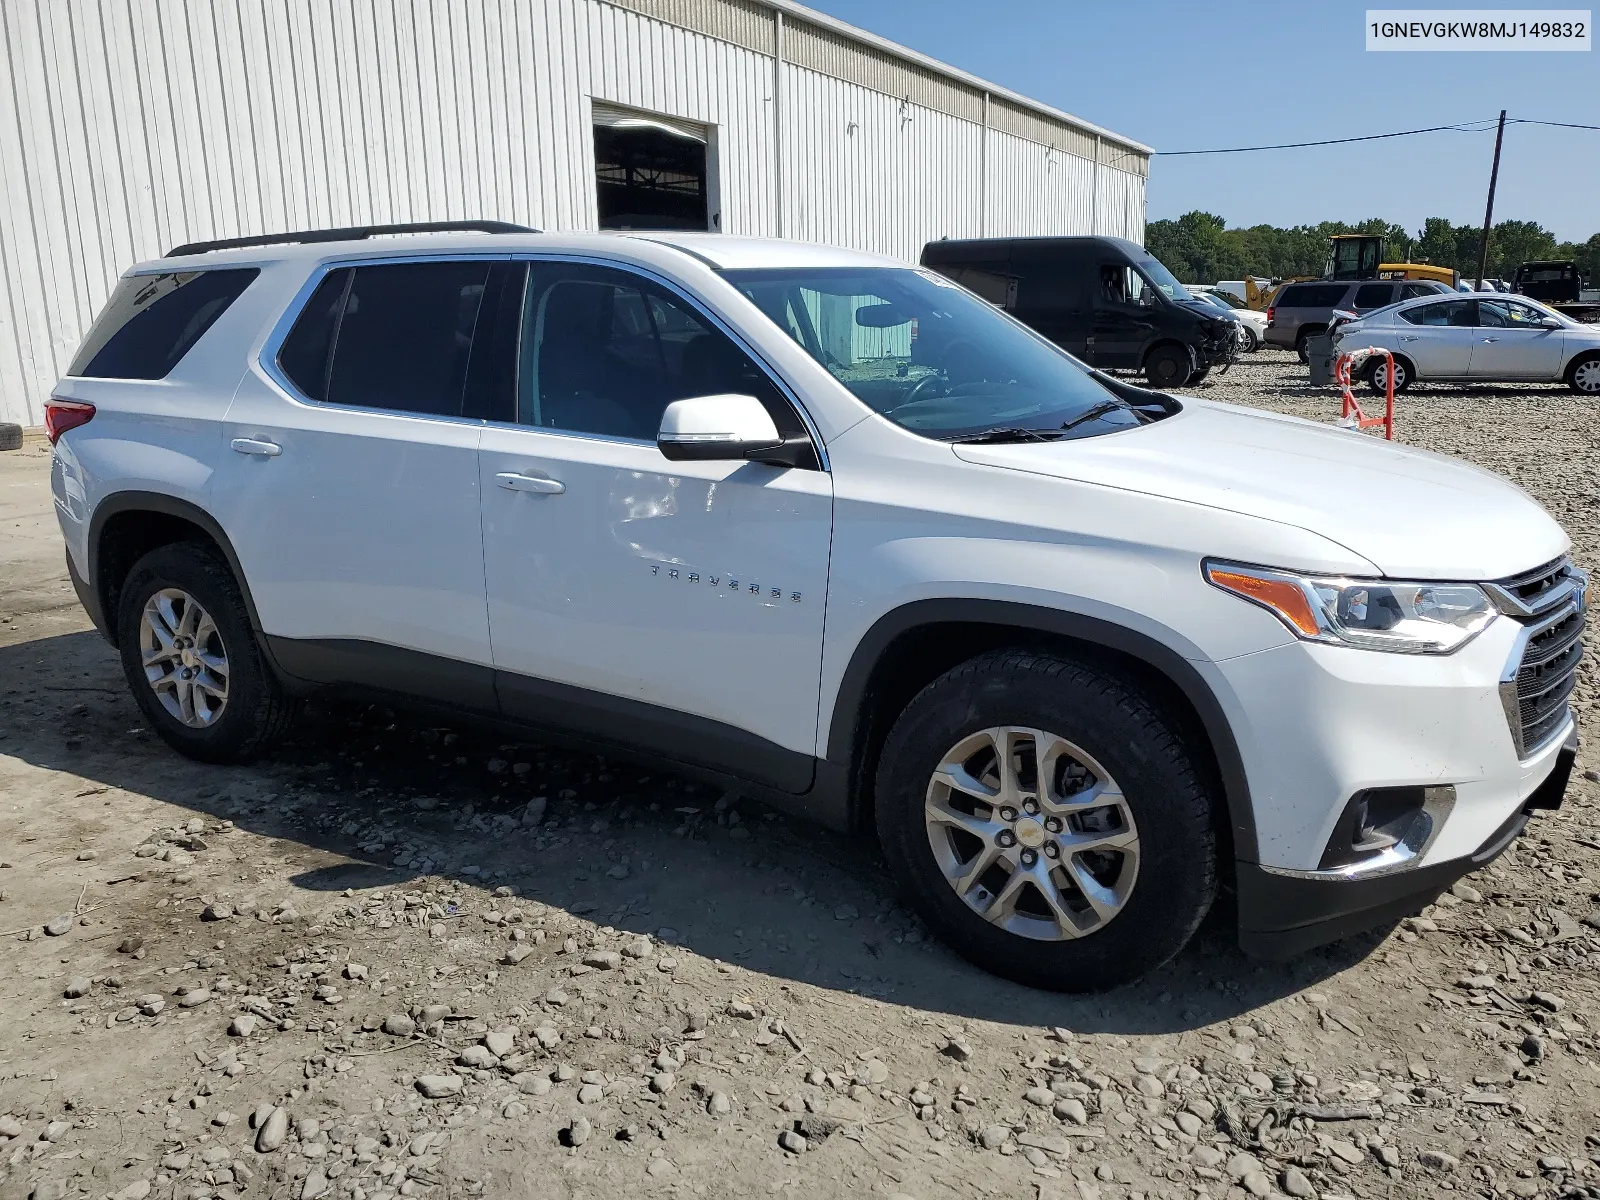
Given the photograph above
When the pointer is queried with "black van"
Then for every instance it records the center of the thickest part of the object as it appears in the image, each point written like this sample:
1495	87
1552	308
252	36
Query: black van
1103	299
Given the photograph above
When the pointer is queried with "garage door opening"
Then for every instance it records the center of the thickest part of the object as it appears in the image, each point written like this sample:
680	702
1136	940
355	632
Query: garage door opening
652	172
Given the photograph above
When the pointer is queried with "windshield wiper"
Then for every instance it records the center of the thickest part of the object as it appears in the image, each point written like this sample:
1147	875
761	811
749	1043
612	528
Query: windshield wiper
1104	408
1006	433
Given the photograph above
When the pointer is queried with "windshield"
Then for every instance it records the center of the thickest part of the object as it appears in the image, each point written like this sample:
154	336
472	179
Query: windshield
1164	279
928	354
1227	300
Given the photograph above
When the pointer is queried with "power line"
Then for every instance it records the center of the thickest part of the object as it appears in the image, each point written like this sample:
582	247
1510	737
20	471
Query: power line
1469	127
1557	124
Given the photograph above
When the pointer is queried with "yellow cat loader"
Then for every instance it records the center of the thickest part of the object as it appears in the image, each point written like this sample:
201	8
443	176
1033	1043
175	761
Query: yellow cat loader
1356	256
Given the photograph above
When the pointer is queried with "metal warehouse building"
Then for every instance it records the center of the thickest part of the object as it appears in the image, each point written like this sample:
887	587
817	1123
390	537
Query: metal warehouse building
130	126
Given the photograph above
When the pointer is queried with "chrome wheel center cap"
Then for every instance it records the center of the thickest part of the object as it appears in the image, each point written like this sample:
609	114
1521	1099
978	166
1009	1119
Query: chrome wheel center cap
1030	833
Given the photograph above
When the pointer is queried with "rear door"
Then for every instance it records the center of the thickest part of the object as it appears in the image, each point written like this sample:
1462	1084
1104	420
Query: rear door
1437	338
349	482
1052	292
1512	342
1369	296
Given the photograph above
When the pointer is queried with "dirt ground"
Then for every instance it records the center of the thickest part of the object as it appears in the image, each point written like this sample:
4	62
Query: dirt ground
397	958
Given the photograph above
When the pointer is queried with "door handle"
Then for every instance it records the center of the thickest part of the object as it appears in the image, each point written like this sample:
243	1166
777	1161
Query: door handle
512	481
259	446
1491	339
1408	337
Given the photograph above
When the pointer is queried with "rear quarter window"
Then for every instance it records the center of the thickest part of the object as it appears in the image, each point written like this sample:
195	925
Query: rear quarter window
152	321
1312	295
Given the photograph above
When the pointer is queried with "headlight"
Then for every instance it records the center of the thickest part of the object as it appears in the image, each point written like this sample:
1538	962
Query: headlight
1374	614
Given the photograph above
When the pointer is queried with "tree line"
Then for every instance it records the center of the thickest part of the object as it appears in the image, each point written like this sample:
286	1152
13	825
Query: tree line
1198	247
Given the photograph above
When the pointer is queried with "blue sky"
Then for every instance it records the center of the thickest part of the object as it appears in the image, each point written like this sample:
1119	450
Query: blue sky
1186	75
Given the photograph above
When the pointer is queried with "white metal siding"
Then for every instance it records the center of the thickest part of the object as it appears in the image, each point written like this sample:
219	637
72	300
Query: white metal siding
130	126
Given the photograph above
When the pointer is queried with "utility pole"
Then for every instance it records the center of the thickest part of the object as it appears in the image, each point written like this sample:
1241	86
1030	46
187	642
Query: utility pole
1488	211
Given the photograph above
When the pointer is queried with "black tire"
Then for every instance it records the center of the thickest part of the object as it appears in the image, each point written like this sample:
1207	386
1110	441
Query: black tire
10	436
256	712
1249	342
1376	370
1176	879
1300	340
1168	367
1588	382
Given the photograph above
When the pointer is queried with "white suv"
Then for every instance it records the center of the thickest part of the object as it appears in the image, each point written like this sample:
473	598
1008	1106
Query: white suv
838	533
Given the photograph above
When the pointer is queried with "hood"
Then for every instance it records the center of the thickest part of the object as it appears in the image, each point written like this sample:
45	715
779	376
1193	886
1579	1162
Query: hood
1411	513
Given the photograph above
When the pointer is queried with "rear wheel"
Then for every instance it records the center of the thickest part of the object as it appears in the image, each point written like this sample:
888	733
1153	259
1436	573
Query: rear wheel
1046	821
192	660
1378	375
1168	367
1300	343
1584	375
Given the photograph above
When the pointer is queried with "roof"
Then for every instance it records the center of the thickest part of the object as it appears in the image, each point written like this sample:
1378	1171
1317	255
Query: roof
714	249
735	253
817	42
865	38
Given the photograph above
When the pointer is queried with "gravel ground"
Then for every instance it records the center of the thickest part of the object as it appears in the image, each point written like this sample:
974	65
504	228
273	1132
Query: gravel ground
398	958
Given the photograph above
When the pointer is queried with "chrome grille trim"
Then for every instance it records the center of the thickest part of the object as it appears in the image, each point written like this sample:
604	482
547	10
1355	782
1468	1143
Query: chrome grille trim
1542	670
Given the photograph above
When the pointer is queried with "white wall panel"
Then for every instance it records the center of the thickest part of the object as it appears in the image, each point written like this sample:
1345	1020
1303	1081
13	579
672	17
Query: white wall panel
868	171
129	126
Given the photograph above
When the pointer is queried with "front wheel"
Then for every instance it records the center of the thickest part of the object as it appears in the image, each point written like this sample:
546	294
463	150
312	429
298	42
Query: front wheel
1047	822
1168	367
1249	343
1584	375
192	660
1378	376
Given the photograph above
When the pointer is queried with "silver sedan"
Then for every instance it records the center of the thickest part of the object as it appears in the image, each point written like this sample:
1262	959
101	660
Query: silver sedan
1466	339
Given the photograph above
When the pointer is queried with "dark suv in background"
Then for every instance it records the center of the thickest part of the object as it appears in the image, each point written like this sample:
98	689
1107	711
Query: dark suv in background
1103	299
1303	310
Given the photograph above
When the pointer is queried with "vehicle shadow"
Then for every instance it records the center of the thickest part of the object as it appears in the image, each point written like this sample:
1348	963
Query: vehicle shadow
627	847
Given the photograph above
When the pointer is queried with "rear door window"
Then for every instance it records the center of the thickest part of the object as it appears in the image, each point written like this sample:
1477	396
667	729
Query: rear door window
1374	295
152	321
1446	312
1312	295
393	336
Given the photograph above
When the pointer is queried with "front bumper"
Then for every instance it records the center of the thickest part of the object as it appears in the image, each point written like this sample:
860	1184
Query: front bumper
1281	915
1221	351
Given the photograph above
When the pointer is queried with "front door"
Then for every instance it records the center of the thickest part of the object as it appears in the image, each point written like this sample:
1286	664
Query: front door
1125	313
672	605
1512	342
1437	338
349	484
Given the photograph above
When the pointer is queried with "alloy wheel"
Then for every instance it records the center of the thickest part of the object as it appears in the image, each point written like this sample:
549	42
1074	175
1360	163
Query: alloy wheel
183	657
1032	833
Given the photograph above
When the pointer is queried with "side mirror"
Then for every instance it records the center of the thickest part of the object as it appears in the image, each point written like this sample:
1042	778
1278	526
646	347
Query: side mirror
707	428
1549	323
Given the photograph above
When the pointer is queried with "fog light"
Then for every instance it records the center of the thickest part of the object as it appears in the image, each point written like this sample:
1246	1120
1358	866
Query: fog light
1387	827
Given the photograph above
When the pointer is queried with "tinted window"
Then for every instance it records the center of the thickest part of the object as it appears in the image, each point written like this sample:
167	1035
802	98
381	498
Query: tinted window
151	321
605	352
1312	295
992	281
1502	314
1411	291
1446	312
1374	295
395	336
1050	279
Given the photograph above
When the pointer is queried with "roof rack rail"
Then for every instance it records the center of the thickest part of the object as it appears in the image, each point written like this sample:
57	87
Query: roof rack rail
349	234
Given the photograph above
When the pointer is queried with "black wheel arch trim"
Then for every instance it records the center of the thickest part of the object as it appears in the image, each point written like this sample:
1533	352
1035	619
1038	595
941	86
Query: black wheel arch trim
171	506
845	725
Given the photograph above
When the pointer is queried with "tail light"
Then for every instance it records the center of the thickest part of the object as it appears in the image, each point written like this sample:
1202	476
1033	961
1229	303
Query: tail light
61	415
1270	311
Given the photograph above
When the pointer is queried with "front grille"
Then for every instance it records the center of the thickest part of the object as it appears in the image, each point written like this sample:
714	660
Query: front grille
1538	684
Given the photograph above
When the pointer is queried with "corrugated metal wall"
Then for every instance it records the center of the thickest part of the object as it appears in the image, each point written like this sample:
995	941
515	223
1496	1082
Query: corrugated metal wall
133	125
